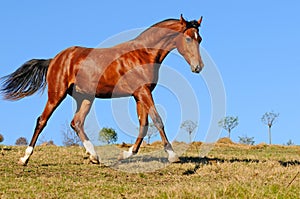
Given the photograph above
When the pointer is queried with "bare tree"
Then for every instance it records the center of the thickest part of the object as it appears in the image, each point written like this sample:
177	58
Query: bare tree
189	126
269	118
246	140
70	137
152	131
228	123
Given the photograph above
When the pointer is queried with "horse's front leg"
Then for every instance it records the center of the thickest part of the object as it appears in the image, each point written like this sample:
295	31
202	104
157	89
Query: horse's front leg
146	106
143	121
172	156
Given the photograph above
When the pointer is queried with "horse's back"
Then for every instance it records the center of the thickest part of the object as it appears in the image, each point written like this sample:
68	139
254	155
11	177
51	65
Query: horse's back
102	72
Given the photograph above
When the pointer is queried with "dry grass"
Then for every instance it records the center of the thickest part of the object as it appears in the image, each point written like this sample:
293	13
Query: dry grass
228	171
225	140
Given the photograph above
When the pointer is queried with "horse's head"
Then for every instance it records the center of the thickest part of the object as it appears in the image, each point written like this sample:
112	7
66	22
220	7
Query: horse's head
188	42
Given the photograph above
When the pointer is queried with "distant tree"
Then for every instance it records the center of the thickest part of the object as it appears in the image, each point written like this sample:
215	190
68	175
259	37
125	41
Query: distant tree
70	137
108	135
246	140
1	138
152	131
228	123
290	143
189	126
48	143
43	141
269	118
21	141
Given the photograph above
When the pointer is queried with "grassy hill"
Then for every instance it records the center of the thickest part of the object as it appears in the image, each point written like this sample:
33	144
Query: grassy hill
227	170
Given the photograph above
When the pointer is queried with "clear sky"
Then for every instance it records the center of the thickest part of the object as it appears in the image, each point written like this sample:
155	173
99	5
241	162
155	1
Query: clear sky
254	45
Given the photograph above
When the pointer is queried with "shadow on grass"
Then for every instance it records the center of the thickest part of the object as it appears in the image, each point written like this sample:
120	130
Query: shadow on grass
198	161
144	159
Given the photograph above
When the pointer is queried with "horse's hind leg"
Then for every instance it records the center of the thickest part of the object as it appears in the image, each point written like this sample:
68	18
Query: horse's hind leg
54	99
84	104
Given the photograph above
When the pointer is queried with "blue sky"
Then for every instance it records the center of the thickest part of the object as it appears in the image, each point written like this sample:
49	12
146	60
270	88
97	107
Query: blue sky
255	46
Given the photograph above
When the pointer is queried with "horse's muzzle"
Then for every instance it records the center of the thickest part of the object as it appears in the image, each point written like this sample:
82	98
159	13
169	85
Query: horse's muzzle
197	68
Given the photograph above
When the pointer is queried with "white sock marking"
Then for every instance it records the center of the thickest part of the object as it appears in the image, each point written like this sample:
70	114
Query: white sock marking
89	147
172	154
28	153
127	154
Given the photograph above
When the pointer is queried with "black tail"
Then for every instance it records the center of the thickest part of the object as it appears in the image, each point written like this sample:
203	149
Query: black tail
26	80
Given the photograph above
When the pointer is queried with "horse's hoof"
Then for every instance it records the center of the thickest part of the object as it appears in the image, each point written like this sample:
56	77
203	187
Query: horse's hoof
174	159
124	155
94	160
21	162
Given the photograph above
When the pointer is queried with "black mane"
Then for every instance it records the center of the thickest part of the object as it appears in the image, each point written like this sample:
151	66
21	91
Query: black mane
192	24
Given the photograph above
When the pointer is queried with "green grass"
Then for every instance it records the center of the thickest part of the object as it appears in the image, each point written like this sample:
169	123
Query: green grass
228	171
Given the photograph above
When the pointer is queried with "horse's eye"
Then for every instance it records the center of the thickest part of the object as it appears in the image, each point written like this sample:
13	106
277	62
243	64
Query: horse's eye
188	39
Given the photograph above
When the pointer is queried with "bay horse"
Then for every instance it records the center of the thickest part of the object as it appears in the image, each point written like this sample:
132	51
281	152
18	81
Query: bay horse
127	69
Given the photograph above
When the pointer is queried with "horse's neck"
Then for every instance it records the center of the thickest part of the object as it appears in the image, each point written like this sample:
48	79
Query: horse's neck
159	42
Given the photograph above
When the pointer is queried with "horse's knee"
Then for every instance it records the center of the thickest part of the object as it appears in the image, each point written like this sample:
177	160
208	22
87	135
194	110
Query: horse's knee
76	125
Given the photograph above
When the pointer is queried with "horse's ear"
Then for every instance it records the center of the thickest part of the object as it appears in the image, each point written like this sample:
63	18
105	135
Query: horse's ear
182	20
200	20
